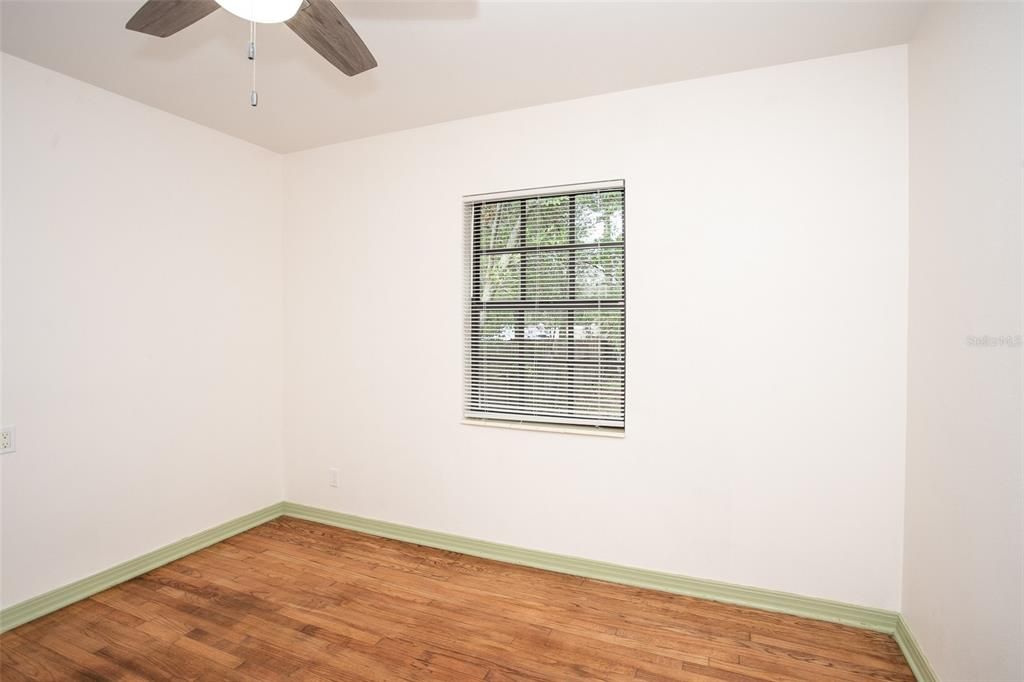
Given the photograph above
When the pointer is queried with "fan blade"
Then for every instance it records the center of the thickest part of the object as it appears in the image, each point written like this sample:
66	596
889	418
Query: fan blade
325	30
162	18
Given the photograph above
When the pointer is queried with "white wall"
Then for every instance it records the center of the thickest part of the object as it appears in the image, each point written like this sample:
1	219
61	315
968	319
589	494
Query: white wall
964	557
1	317
767	270
142	329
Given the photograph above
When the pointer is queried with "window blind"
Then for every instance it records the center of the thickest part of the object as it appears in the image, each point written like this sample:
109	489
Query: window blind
545	315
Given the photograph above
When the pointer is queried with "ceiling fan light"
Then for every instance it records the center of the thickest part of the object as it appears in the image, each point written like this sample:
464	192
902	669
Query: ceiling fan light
262	11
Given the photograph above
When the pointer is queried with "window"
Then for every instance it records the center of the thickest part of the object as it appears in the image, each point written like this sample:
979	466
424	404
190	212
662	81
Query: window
546	306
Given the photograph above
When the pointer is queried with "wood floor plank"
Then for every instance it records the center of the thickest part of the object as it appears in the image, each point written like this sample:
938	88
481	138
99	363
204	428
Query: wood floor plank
295	600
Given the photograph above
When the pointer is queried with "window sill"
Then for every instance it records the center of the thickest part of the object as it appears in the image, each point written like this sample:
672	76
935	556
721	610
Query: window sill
603	432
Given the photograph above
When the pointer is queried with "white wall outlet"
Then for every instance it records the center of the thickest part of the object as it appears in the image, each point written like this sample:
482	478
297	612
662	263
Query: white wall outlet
6	440
332	477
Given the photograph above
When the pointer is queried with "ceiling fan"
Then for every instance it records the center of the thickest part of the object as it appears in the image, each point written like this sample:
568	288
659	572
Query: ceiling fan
318	22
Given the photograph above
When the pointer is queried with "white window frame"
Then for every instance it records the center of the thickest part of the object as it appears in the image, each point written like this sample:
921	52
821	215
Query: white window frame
525	420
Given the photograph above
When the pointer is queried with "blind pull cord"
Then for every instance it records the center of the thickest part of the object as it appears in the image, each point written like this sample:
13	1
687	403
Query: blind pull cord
253	97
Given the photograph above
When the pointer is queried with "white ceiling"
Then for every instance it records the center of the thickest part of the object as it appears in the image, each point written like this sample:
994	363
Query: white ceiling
438	60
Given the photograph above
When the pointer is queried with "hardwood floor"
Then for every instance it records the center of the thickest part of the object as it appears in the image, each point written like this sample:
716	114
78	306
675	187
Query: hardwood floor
301	601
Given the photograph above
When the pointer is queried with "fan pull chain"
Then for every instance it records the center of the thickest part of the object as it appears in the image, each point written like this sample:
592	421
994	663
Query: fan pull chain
253	97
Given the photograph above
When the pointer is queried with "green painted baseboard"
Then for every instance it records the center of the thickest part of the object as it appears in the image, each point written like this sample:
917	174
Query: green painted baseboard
33	608
879	620
819	609
912	652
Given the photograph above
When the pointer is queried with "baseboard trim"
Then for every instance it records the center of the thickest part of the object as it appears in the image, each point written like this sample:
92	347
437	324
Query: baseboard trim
923	670
33	608
767	600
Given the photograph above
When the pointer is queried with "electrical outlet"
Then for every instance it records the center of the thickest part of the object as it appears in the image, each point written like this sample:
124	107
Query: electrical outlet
333	477
6	440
